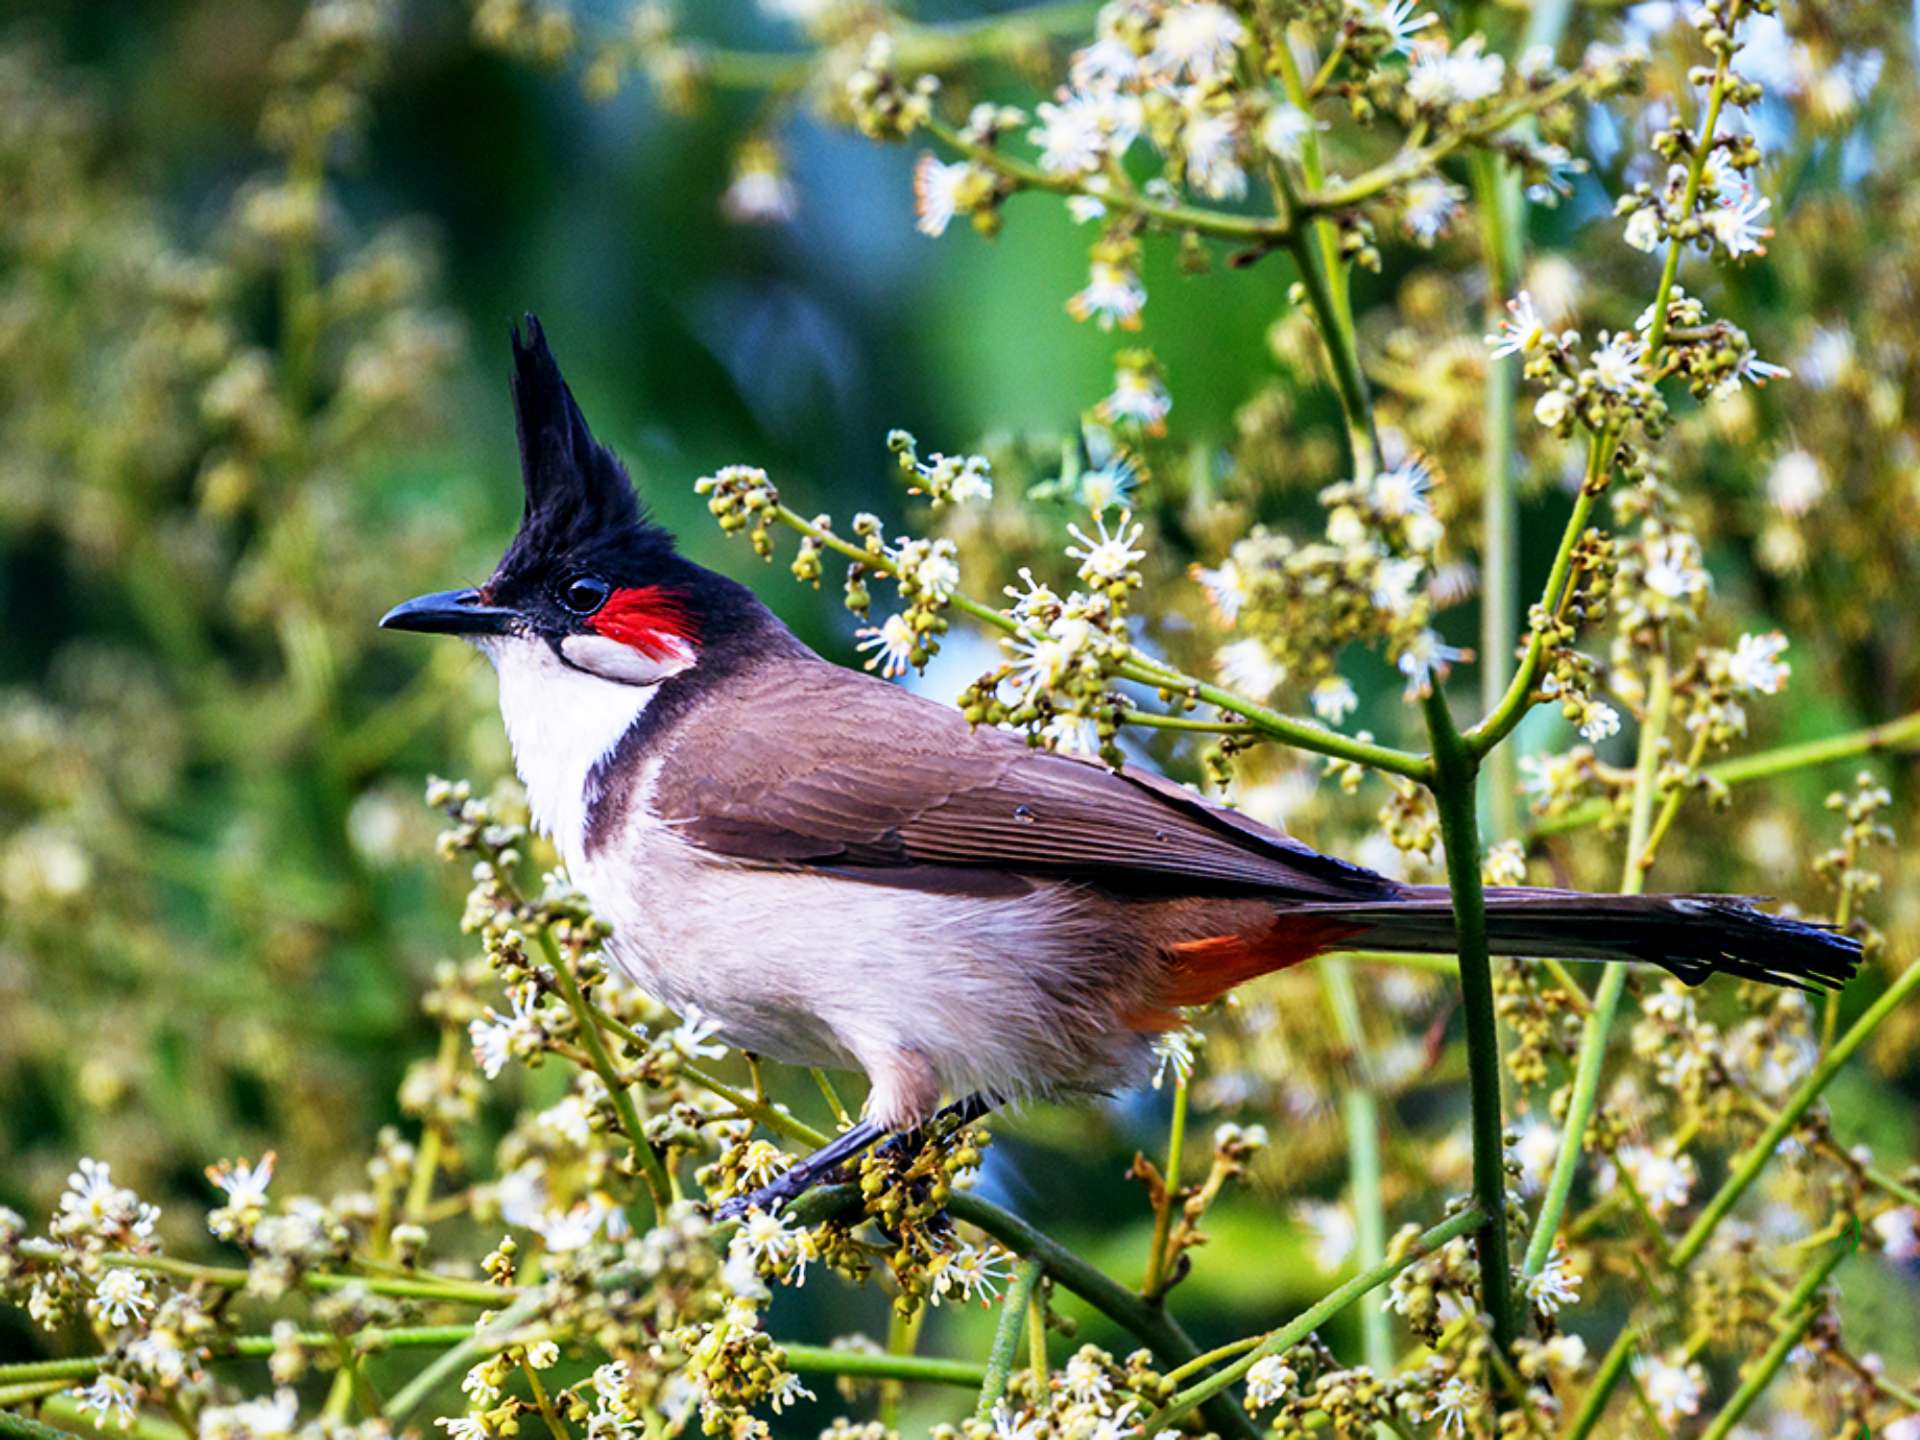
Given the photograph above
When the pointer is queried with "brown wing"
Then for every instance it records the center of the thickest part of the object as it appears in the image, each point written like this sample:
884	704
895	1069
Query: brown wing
903	791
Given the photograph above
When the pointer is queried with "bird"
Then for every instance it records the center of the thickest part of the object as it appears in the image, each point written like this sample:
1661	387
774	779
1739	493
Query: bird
835	871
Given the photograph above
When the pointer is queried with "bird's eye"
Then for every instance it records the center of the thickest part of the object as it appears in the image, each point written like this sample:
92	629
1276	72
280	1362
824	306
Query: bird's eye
585	594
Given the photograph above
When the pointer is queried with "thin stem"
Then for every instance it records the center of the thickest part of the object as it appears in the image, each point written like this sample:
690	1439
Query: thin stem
495	1336
1360	1111
1263	231
917	47
832	1096
1147	1322
648	1158
821	1360
1744	1174
1214	1357
364	1342
1606	996
1006	1337
1696	167
1309	1320
1302	734
1156	1279
1767	1146
1454	788
1503	210
457	1292
1800	1305
1416	160
1891	737
1519	697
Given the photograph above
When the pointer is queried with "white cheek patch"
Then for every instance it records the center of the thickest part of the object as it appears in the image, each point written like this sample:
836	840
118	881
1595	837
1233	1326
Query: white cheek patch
612	660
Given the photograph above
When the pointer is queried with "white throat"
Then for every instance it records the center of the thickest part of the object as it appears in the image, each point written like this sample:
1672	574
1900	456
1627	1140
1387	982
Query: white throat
561	723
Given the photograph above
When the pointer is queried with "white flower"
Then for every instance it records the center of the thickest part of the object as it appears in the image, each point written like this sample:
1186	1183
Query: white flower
1285	128
1602	722
1113	296
1673	1389
1439	77
1431	202
789	1391
1673	567
244	1185
111	1400
1557	166
93	1205
1248	667
577	1227
1617	364
1643	229
1756	665
1402	491
1828	353
766	1236
1173	1050
543	1354
1557	1284
1197	40
459	1427
1394	583
693	1036
1735	222
1898	1231
1109	486
522	1196
1333	699
1270	1381
935	188
1083	209
1426	658
1750	369
1537	1148
496	1036
1138	396
1072	735
1453	1404
972	1272
1107	64
1397	21
1522	332
759	195
1664	1181
1085	1378
1071	136
1552	408
1041	662
121	1297
1225	587
1106	559
1796	483
1334	1232
1212	143
1010	1426
892	644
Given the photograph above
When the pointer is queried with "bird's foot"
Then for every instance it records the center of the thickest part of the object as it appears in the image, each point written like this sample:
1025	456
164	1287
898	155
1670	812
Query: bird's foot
791	1184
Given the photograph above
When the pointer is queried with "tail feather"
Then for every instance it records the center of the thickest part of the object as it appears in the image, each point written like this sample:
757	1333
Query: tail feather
1693	936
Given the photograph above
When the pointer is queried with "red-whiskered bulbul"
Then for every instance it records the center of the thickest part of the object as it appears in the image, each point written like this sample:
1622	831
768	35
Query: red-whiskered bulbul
839	872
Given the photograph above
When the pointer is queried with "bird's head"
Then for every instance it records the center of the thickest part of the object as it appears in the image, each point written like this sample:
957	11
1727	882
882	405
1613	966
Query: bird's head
587	576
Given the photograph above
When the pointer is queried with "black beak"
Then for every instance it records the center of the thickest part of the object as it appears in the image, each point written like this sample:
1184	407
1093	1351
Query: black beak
450	612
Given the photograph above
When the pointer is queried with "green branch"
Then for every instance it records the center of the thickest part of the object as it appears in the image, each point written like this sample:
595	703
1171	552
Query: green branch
1454	791
1301	734
1889	737
1802	1310
1185	1402
855	1364
1606	996
455	1292
1006	1337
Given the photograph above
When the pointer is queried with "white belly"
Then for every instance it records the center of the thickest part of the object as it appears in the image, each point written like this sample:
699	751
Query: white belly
811	969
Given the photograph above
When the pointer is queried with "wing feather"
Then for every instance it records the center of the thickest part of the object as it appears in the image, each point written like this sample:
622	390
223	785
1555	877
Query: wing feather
803	762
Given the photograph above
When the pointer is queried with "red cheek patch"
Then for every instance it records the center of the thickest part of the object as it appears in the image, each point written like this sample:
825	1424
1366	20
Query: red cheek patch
650	618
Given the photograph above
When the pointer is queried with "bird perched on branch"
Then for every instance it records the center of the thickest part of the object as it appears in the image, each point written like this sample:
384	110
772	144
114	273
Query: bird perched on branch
838	872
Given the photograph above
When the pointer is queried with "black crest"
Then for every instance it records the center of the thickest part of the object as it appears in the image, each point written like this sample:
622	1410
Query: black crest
579	502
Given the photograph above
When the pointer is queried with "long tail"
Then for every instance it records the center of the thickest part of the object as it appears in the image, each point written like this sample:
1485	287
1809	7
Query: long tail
1693	936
